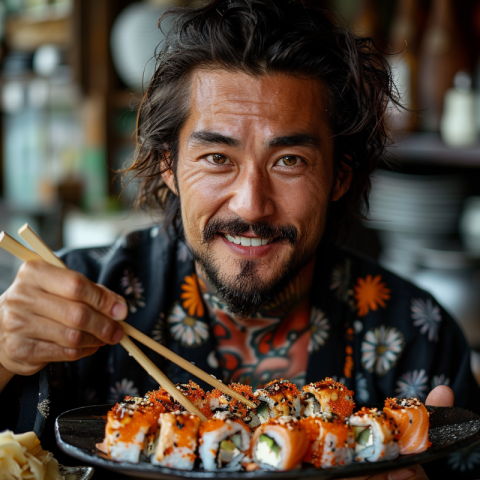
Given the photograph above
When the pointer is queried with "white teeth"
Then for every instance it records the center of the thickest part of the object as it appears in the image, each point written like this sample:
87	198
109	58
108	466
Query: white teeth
247	242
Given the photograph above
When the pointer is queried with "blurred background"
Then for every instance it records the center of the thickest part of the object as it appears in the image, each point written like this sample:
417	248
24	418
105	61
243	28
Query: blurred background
71	77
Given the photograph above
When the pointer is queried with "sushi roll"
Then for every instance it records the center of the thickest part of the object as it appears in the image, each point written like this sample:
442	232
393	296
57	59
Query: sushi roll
375	435
331	440
196	395
176	441
223	442
279	398
127	427
279	444
328	396
220	402
412	420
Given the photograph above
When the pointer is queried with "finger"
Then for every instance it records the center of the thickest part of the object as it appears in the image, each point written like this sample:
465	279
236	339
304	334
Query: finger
441	396
74	286
42	328
70	314
24	354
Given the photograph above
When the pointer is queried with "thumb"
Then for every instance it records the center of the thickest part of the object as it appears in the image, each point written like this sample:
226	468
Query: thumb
441	396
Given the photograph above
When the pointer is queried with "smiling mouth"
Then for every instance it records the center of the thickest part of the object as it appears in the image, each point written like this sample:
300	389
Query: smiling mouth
247	241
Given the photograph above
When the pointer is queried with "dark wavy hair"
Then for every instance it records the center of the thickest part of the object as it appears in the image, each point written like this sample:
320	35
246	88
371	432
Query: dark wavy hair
266	37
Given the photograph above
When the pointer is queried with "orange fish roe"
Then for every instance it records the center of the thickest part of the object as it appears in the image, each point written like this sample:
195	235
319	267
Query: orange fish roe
332	396
128	422
389	422
285	396
316	428
235	407
215	423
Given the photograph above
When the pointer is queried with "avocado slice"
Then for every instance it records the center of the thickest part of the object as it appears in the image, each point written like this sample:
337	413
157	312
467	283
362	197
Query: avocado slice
237	440
271	443
262	410
363	437
227	445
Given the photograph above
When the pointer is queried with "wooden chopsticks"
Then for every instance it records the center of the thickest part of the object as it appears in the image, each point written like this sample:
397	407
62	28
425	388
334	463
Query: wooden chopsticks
37	243
48	256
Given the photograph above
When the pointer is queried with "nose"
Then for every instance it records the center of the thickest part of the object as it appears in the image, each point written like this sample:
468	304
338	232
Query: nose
252	198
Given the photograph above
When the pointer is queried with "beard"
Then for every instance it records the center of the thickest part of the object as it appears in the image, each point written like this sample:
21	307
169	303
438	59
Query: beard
246	292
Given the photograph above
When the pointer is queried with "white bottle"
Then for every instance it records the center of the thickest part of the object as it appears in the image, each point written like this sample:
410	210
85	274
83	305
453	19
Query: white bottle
457	126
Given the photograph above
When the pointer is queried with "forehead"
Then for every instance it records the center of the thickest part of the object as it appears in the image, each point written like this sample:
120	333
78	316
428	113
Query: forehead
269	102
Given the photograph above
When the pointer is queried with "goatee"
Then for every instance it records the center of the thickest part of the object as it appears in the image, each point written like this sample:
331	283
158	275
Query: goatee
246	293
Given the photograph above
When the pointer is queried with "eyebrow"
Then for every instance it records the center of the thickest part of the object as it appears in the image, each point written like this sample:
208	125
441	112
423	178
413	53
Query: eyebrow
205	137
296	140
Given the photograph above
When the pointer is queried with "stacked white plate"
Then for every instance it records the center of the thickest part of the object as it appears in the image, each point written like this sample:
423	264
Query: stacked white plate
415	203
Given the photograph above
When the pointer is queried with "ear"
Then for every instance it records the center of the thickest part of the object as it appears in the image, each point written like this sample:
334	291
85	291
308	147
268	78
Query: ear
169	179
344	181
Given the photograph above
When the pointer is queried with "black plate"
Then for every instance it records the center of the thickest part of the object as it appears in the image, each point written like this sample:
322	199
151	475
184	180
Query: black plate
77	431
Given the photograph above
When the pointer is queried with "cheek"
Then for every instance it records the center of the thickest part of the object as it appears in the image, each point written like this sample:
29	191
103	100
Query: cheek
201	196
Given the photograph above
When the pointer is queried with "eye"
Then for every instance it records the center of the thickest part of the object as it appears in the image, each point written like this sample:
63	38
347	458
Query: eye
289	161
218	159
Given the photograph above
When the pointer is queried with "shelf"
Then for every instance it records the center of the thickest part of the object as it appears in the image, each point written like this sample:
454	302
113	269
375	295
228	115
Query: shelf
429	148
26	33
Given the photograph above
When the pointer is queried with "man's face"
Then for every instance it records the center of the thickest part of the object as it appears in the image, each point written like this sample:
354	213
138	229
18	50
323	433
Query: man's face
255	178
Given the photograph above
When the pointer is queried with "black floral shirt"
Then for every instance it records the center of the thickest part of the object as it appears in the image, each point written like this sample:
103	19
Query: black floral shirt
371	330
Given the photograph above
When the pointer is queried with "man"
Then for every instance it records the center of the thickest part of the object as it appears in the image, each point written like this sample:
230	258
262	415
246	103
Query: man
257	136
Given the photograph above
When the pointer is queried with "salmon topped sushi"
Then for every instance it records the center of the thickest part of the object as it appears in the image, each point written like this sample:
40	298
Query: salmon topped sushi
328	396
412	420
279	398
280	444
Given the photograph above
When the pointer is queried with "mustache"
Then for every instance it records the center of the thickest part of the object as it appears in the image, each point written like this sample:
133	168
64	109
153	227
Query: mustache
236	226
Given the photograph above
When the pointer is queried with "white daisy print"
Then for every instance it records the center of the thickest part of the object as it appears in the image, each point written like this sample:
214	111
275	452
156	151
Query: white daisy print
158	332
412	384
426	315
440	380
466	459
340	282
212	359
381	349
121	390
357	326
319	326
185	329
361	388
133	291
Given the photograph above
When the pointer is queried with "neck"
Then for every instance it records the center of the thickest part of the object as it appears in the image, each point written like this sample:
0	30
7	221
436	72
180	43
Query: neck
281	306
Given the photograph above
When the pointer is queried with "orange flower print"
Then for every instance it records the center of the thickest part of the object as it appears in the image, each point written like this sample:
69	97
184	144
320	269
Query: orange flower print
191	294
348	367
370	292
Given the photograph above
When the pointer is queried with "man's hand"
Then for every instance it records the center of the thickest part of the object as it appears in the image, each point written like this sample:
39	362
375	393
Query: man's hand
441	396
52	315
